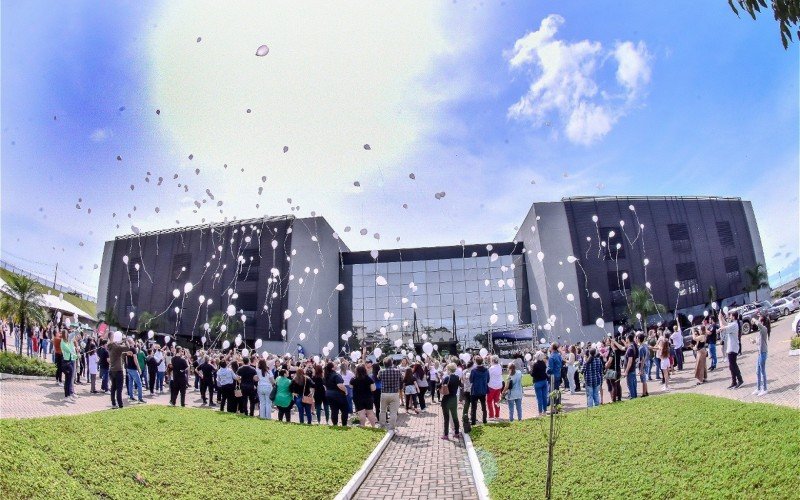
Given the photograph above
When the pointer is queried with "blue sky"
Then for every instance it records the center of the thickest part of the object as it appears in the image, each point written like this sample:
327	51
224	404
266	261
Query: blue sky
681	98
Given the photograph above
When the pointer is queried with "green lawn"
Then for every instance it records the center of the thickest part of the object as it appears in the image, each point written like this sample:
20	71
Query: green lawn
84	305
164	452
671	446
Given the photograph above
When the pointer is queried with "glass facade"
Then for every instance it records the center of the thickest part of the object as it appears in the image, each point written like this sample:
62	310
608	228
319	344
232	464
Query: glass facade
446	298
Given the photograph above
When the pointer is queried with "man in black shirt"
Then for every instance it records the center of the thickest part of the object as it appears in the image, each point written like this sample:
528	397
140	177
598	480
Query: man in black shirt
132	367
630	365
102	355
206	372
180	376
711	340
247	375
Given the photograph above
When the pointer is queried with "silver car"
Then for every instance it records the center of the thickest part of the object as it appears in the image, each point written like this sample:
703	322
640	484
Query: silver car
785	306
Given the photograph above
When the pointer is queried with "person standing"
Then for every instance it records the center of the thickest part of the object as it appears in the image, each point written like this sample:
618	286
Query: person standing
711	340
68	368
363	387
643	362
152	369
700	338
422	384
161	369
179	369
629	372
730	332
466	394
302	389
495	387
320	403
677	343
593	378
58	354
102	356
283	396
513	391
116	352
248	377
226	381
132	366
761	339
449	385
554	364
347	376
265	383
391	383
372	370
93	360
207	373
479	378
571	360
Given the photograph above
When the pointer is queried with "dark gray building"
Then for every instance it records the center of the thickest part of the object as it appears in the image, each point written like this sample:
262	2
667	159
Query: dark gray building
568	274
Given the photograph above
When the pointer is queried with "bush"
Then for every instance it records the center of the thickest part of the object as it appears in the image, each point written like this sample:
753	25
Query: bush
795	342
24	365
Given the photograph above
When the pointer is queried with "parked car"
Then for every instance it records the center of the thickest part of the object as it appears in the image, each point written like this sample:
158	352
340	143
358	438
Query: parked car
688	337
786	306
796	324
765	308
749	311
794	295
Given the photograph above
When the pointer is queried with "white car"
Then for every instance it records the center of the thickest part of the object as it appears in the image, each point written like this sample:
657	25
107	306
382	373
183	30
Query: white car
796	325
786	305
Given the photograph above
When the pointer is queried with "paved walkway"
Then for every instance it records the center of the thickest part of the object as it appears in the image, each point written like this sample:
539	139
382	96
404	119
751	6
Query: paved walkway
417	464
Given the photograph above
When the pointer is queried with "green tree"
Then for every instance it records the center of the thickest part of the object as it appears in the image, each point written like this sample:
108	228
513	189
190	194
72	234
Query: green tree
147	321
22	303
640	302
786	12
756	279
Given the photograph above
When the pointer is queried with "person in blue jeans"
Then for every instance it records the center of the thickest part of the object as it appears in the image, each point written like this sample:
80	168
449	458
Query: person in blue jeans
540	384
761	362
711	340
513	392
629	372
554	364
593	377
132	367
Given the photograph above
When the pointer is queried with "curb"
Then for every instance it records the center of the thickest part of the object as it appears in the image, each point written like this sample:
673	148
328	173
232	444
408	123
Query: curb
14	376
477	472
352	486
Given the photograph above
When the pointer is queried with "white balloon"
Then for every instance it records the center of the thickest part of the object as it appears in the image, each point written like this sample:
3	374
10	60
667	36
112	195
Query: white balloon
259	343
238	342
677	284
176	293
600	323
201	299
639	316
646	262
595	295
136	266
325	351
540	256
492	319
483	352
131	314
355	356
188	287
380	280
226	344
594	218
344	336
316	359
125	259
424	336
571	259
206	327
202	340
150	334
398	342
427	348
301	309
340	287
177	310
548	326
374	254
209	301
528	356
541	340
620	329
705	313
274	244
245	352
287	314
690	318
714	306
223	328
560	285
302	337
611	234
230	310
377	352
330	345
624	276
166	339
570	297
436	347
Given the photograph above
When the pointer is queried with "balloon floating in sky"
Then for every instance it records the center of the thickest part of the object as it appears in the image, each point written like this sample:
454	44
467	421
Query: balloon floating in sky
262	51
367	147
600	323
226	344
380	280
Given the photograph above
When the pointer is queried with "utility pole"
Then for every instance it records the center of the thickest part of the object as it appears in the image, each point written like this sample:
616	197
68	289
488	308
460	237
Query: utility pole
55	277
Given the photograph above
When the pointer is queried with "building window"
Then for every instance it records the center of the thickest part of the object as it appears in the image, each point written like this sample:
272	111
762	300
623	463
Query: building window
133	273
247	303
725	234
687	278
249	268
618	286
181	266
732	268
679	235
615	245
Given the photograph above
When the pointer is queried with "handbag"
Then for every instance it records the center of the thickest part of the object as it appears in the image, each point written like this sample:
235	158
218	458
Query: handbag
273	393
444	389
307	400
611	374
237	392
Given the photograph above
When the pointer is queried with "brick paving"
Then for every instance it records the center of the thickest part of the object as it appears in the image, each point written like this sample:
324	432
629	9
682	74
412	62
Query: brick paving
416	463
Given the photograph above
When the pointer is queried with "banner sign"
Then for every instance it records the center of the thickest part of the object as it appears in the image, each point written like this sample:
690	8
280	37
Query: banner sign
507	343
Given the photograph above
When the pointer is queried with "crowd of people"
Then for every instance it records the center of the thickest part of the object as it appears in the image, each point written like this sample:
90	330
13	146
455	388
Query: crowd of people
372	391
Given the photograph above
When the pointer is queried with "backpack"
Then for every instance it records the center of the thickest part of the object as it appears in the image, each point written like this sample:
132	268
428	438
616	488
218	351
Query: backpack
444	389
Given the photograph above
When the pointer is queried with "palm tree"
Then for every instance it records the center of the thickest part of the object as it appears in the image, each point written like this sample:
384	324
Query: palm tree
640	302
756	279
22	303
147	321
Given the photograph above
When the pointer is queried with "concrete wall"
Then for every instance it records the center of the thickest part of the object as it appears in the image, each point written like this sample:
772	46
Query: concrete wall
105	275
312	291
755	236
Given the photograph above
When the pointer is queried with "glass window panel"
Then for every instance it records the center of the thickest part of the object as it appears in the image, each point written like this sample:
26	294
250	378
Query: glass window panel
369	291
406	267
358	292
432	276
445	276
358	304
505	260
419	277
369	269
495	273
369	315
434	300
432	288
382	268
432	265
357	270
457	263
472	286
471	274
447	299
421	301
445	265
482	262
459	298
394	267
418	265
472	297
458	287
446	287
470	263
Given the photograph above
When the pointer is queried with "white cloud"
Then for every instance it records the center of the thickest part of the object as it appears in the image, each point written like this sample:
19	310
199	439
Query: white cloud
566	81
100	135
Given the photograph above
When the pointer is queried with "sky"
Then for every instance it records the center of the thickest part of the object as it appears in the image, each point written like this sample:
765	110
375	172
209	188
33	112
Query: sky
490	105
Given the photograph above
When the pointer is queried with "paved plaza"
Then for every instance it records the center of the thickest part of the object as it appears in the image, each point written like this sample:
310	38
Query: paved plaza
416	463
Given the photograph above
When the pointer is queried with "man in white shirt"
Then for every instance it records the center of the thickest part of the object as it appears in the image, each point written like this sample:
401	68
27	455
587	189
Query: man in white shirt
730	332
677	343
495	388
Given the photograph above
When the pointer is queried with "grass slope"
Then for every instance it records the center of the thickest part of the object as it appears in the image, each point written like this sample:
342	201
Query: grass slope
82	304
672	446
163	452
